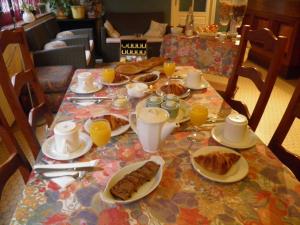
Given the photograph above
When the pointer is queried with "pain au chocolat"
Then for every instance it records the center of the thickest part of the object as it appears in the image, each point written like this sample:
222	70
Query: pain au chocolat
217	162
131	182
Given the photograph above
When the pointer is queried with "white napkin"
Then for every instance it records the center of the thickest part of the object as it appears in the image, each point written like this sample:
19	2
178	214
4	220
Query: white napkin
63	182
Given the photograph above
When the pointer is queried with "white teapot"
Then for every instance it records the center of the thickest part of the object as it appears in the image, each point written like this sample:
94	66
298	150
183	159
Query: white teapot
152	127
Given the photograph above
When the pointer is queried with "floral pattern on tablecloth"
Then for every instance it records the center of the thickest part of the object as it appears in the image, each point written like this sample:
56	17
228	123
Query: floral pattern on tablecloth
269	195
202	52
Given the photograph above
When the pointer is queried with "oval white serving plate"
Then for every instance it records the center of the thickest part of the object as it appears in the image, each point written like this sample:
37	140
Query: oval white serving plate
236	173
143	191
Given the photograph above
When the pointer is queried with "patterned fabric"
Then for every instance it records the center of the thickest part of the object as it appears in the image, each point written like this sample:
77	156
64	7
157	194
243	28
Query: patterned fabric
55	78
203	52
268	195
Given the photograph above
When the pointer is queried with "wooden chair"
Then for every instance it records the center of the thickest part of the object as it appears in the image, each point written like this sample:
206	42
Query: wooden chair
292	112
12	89
15	160
264	41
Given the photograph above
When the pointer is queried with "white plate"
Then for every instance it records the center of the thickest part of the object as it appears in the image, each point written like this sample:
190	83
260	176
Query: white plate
136	79
97	87
203	85
116	132
249	140
118	83
48	148
144	190
237	172
183	112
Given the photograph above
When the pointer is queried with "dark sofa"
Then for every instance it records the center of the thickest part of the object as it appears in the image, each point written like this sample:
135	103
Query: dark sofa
129	24
75	54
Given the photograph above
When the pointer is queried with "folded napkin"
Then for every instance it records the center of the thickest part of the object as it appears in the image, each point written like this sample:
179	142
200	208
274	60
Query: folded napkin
63	182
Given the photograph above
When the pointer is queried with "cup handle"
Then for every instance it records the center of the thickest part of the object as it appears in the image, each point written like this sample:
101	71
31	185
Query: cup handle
133	122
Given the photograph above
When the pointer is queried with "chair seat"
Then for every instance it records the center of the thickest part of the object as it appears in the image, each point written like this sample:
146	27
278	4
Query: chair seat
55	79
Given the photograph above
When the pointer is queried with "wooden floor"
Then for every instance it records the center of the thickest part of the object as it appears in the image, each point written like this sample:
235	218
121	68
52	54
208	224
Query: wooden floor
279	99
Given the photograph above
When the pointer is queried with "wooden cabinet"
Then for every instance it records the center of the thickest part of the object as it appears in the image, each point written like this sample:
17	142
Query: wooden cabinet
283	18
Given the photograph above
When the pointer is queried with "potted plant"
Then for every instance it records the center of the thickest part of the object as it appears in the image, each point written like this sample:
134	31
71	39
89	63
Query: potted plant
60	7
28	12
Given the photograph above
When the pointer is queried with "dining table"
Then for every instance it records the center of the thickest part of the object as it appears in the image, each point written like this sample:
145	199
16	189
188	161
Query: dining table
269	194
205	52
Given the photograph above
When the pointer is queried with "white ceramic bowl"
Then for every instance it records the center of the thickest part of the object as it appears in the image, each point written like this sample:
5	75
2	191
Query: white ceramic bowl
176	30
136	90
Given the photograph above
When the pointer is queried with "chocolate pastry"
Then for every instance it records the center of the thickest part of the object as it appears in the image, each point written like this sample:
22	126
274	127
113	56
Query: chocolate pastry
217	162
148	78
130	183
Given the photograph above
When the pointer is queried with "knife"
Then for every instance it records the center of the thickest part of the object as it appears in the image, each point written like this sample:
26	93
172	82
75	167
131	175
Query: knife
88	98
62	166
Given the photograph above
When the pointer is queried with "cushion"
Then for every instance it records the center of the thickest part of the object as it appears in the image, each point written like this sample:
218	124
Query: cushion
87	57
64	34
156	29
55	44
111	30
91	42
54	78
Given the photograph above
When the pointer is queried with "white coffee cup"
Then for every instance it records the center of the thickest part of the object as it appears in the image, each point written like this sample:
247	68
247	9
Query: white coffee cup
66	136
235	127
193	79
85	81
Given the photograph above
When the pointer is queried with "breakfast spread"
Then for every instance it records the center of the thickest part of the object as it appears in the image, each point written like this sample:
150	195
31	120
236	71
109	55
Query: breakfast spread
132	68
131	182
176	89
217	162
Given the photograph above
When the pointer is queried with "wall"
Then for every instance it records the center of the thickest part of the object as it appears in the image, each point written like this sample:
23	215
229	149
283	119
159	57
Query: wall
139	6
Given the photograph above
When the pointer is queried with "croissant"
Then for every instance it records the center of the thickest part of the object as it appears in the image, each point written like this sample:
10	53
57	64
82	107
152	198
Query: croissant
176	89
217	162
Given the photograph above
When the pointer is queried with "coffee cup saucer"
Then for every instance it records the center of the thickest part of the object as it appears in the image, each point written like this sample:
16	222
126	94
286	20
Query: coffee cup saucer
48	148
96	87
248	141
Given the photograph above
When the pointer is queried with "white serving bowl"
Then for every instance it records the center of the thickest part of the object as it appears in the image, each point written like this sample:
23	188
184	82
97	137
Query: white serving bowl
136	90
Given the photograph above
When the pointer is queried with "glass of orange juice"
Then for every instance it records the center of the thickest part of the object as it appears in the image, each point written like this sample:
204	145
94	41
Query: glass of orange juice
108	75
169	68
198	116
100	132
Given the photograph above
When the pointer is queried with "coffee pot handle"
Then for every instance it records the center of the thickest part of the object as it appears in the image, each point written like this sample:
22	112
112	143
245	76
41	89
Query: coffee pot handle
133	121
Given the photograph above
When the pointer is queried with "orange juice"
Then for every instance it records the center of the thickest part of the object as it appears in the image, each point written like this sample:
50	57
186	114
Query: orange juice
169	68
108	75
100	132
198	115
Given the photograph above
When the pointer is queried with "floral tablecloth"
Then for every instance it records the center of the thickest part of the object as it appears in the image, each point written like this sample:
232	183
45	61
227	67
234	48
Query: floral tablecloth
203	52
268	195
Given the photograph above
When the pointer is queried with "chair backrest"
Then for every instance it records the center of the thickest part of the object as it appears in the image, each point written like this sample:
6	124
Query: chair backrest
287	157
52	27
15	159
12	89
264	41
